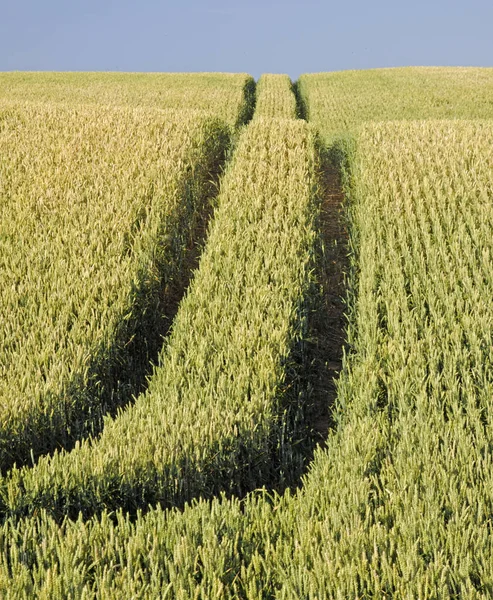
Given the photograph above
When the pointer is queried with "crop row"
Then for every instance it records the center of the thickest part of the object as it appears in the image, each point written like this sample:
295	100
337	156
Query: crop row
275	97
98	206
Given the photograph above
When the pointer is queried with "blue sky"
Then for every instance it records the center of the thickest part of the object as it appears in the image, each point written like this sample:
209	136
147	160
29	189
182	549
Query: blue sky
273	36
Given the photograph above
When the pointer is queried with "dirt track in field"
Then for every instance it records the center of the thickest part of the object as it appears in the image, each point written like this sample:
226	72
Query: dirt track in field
329	325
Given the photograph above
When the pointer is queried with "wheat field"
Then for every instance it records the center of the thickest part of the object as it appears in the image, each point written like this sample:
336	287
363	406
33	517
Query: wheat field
206	478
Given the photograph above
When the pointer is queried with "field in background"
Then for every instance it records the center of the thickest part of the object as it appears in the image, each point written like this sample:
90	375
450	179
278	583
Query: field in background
398	502
338	103
225	94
